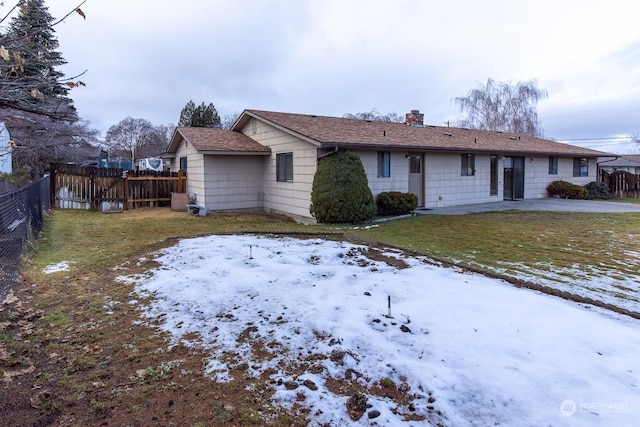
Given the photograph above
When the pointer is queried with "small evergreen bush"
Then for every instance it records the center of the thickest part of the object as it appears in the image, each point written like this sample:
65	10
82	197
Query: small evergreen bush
396	203
597	190
340	191
567	190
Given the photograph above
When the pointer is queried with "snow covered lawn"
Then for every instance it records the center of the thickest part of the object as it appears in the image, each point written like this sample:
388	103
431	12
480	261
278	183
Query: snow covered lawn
469	350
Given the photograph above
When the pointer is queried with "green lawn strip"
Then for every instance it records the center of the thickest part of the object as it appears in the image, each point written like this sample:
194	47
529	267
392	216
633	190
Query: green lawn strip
561	240
88	239
509	244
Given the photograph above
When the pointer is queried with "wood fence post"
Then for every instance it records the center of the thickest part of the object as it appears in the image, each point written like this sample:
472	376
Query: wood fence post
126	192
92	189
182	182
52	185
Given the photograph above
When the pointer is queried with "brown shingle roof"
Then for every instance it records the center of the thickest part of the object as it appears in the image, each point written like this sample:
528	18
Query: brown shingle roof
624	160
218	140
343	132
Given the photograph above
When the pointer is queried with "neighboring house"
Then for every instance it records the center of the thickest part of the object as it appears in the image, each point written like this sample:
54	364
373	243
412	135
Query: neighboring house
625	162
267	161
6	149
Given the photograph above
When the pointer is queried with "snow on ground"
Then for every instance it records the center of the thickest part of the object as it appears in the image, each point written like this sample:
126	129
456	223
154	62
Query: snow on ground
618	285
54	268
621	290
491	354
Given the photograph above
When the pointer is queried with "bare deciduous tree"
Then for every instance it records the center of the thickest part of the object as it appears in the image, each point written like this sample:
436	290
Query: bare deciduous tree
503	107
162	142
228	120
135	139
376	116
40	140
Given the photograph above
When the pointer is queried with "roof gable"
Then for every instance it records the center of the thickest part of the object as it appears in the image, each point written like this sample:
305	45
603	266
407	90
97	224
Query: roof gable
216	141
353	133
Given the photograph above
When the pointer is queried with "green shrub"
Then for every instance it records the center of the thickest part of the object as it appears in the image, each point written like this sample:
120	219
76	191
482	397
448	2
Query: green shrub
597	190
567	190
340	191
396	203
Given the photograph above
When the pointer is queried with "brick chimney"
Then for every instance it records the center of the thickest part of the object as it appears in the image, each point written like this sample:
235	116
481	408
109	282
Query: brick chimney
414	118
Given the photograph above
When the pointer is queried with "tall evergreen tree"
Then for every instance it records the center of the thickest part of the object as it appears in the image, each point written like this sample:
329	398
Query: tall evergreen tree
340	191
29	76
187	114
205	116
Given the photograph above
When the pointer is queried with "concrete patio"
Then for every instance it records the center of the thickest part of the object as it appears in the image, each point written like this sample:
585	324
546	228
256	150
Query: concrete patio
545	204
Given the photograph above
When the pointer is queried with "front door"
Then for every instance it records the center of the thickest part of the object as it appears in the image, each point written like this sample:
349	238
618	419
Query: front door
513	178
416	177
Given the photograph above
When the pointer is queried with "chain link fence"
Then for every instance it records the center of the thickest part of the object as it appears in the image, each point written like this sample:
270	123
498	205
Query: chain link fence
22	214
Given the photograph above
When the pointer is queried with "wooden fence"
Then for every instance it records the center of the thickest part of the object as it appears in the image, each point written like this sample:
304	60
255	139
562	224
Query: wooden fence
622	183
109	190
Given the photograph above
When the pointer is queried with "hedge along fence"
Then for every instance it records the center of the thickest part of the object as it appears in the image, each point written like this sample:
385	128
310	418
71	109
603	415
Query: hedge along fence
22	214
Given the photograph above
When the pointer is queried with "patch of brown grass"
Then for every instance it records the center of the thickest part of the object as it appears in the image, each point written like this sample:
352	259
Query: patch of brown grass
73	350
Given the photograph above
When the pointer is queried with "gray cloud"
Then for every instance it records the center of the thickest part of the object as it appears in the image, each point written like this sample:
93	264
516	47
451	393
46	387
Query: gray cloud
148	58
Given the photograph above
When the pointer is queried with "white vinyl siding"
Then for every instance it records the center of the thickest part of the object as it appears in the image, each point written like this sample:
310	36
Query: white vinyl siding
398	163
195	169
233	182
292	197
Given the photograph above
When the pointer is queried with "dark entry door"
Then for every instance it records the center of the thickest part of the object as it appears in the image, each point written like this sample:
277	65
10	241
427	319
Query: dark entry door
513	178
416	177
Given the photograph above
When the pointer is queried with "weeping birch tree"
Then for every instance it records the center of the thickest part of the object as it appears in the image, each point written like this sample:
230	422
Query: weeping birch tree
376	116
503	107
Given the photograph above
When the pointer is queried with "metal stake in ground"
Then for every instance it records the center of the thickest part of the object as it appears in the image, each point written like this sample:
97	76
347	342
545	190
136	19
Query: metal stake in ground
389	306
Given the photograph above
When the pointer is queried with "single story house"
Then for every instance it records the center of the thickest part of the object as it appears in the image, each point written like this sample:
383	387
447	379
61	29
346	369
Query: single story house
267	161
625	162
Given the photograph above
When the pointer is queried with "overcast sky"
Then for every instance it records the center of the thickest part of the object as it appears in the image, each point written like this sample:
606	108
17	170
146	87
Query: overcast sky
147	58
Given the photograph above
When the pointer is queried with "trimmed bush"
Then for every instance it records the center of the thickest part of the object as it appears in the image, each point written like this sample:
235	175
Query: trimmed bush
396	203
340	191
597	190
567	190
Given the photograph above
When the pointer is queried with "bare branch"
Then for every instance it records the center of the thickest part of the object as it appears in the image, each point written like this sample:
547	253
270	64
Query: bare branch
11	11
503	107
75	9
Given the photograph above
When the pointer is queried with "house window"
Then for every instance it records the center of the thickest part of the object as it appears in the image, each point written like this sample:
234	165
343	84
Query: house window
580	166
553	166
415	163
284	167
183	164
468	164
493	179
384	164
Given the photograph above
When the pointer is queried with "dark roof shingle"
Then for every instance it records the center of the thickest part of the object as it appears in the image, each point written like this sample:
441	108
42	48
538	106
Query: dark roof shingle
218	140
343	132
